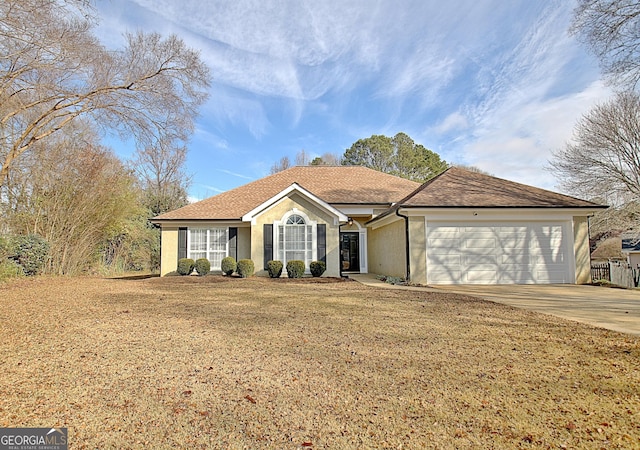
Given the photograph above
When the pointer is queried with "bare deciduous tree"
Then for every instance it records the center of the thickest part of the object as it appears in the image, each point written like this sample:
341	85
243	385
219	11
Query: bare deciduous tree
281	165
611	29
603	158
327	159
161	170
302	158
53	70
75	194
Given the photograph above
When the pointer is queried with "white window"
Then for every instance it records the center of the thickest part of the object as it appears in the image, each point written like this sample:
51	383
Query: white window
295	238
209	243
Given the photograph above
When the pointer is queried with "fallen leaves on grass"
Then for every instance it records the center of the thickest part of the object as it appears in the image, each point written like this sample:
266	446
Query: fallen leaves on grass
217	362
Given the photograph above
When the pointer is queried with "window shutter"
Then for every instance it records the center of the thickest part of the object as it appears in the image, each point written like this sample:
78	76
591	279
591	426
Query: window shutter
182	243
322	242
233	242
267	237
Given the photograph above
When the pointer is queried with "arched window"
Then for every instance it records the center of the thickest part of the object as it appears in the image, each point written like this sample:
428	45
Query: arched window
295	220
295	239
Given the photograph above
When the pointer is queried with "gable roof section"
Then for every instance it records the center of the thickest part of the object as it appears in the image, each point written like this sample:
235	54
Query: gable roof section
248	217
462	188
332	184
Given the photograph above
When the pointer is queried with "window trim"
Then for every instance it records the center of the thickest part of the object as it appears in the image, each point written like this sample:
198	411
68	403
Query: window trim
314	238
207	250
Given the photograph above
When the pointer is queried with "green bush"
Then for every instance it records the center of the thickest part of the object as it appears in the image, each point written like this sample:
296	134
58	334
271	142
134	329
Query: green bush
203	266
245	268
185	266
10	269
295	269
6	248
274	268
31	252
228	265
317	268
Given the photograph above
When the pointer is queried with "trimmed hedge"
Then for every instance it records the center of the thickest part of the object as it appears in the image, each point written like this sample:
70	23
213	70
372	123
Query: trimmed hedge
317	268
274	268
295	269
185	266
245	268
228	265
203	266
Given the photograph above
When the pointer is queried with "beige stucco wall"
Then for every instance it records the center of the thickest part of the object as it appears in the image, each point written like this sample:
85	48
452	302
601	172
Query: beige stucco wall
244	243
387	254
169	250
314	213
581	249
418	249
169	244
633	259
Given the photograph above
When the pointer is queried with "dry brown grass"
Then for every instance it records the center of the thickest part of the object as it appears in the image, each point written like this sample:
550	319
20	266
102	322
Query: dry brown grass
256	363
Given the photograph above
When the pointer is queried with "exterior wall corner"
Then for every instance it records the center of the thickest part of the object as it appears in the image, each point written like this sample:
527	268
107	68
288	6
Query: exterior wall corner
581	249
168	250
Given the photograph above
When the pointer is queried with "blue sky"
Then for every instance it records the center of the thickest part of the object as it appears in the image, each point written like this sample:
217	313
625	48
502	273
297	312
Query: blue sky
490	83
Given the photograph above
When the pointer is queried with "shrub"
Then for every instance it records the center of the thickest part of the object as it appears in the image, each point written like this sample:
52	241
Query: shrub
185	266
245	268
6	248
317	268
228	265
10	269
295	268
274	268
31	252
202	266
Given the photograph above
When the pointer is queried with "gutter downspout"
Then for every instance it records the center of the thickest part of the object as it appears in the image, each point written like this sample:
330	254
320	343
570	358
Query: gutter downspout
406	237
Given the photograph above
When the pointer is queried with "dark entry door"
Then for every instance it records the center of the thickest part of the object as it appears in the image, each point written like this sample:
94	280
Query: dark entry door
350	252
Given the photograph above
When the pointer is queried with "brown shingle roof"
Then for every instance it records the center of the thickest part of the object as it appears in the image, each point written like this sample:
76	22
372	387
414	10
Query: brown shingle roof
457	187
333	184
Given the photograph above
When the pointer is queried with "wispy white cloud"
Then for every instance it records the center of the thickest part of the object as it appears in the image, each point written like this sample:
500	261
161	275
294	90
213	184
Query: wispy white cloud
211	139
516	141
494	84
235	174
521	114
455	121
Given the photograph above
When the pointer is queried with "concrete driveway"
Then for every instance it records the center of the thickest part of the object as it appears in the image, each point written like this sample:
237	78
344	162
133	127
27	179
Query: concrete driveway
614	309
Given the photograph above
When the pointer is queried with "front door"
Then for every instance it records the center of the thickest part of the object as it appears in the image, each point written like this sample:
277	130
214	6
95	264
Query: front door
350	252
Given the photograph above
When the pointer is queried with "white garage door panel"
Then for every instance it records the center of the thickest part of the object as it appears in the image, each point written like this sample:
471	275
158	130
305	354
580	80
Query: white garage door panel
481	277
451	233
448	260
517	259
478	243
552	277
471	260
501	252
444	277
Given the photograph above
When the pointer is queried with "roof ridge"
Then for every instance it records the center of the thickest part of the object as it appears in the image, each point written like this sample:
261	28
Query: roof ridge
396	206
333	184
527	186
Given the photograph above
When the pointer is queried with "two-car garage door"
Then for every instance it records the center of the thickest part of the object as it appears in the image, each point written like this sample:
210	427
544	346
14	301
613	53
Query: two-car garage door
498	253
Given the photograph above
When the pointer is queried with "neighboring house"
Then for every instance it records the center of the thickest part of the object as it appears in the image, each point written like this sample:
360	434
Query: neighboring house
459	227
631	248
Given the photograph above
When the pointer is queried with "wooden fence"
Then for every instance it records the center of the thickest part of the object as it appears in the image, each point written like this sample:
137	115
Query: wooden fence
618	273
600	271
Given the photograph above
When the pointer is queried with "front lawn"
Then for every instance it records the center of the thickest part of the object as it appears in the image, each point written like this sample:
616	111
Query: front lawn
216	362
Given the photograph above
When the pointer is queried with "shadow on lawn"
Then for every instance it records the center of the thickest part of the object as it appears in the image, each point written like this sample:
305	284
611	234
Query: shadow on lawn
135	277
